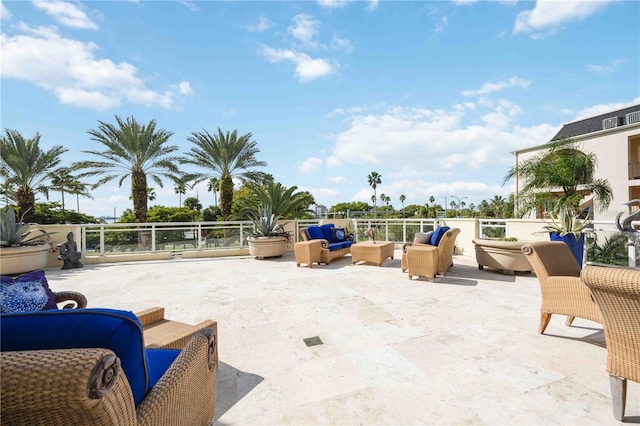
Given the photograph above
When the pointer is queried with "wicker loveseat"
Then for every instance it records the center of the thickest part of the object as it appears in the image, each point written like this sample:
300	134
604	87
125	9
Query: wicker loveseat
328	249
91	367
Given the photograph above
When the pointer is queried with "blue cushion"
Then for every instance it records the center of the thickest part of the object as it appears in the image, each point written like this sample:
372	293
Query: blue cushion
437	235
159	361
26	292
326	231
119	331
335	246
315	233
346	244
337	235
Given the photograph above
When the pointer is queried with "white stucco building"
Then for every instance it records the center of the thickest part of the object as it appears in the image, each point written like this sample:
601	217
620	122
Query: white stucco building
614	138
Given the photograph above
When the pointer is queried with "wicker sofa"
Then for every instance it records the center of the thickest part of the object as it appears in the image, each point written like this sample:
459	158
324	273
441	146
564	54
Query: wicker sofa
329	248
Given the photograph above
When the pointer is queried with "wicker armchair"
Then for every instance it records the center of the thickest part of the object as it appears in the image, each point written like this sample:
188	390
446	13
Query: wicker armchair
77	300
617	292
562	290
86	386
445	251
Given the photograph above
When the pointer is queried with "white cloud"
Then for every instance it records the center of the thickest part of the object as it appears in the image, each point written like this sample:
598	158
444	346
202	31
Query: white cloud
4	12
66	14
305	29
69	69
191	6
332	4
309	165
339	179
228	113
594	110
341	44
263	24
601	69
373	5
442	25
307	68
495	87
547	16
464	2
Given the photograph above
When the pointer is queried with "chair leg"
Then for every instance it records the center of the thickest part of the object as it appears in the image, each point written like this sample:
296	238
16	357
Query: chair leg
544	322
618	395
569	321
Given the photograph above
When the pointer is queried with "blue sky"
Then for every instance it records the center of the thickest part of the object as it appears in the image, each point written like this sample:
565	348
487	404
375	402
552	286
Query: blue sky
434	96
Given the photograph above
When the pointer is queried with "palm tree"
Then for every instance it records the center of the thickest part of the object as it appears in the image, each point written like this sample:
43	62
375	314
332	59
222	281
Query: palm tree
214	186
8	193
134	151
78	188
180	188
497	205
402	198
285	202
63	181
25	166
229	156
374	180
562	165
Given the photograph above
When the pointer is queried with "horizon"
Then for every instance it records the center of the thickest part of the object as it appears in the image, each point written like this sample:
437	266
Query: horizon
434	96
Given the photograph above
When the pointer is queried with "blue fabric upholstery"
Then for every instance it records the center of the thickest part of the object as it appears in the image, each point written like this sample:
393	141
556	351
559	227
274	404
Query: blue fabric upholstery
26	292
315	233
326	231
159	361
119	331
437	235
337	235
335	246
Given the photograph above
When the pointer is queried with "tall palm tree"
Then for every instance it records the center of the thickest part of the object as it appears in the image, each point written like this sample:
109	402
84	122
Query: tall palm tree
78	188
228	156
374	180
402	198
62	180
214	186
133	150
180	188
564	167
8	193
24	165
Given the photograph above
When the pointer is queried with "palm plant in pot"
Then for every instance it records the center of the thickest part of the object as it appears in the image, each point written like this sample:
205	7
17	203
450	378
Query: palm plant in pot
571	229
269	238
24	247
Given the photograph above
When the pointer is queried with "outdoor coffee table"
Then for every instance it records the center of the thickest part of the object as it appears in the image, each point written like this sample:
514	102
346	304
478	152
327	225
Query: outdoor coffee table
372	251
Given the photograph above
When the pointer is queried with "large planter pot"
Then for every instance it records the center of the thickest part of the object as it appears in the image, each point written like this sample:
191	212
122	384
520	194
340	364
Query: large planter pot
16	260
503	255
262	247
576	246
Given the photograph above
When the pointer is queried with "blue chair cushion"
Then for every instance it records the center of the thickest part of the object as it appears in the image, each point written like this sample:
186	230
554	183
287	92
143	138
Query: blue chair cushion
159	361
326	231
26	292
315	233
337	235
346	244
336	246
119	331
437	235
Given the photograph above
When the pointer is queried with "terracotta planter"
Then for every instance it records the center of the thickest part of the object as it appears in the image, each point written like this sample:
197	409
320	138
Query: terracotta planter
16	260
262	247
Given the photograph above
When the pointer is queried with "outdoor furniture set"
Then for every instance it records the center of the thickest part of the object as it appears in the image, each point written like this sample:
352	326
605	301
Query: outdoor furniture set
321	244
607	295
430	253
104	366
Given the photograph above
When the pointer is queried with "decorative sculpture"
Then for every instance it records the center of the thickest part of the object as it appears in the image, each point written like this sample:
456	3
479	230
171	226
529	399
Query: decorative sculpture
371	233
69	253
626	228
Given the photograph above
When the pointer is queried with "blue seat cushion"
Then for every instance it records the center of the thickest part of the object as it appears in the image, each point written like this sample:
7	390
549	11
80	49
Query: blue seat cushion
315	233
119	331
346	244
326	231
159	361
26	292
336	246
437	235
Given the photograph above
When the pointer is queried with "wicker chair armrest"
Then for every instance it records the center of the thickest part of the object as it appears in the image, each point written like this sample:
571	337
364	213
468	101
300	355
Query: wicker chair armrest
65	386
150	316
405	246
324	243
78	299
189	382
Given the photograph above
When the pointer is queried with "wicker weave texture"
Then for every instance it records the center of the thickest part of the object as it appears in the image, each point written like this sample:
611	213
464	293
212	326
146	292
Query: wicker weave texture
445	251
617	292
308	252
370	251
562	290
326	255
422	261
78	300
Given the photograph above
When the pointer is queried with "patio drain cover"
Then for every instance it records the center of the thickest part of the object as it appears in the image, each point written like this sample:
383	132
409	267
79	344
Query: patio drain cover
312	341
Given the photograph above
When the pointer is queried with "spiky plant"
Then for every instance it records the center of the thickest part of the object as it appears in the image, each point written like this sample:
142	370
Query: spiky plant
18	234
265	223
566	223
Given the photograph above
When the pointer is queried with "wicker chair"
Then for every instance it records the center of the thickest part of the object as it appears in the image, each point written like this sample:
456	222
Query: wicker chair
88	386
77	300
617	292
445	251
562	290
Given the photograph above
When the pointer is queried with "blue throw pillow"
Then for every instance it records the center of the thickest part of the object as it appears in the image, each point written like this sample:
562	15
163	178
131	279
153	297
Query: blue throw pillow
119	331
25	293
337	235
315	233
438	234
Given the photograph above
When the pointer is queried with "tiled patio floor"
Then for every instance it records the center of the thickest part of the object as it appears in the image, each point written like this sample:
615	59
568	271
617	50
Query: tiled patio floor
462	350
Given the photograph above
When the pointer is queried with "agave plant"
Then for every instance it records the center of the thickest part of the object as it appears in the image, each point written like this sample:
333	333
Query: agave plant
566	223
265	223
17	234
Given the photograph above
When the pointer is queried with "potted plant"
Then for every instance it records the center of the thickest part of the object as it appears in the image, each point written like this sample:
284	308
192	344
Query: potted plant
268	239
24	247
569	228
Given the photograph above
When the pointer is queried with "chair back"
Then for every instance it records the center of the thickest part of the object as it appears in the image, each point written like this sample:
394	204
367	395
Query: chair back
445	248
617	293
550	259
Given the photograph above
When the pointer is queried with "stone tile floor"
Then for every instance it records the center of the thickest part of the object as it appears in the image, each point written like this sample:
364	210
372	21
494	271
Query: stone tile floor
461	350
